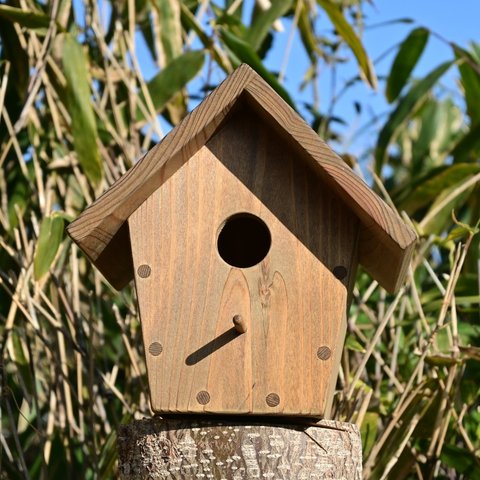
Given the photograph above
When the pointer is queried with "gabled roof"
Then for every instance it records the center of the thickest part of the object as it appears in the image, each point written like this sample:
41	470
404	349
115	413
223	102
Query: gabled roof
101	231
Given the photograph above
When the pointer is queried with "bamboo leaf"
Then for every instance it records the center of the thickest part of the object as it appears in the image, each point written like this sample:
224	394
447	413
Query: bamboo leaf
406	107
13	51
468	148
243	52
84	128
433	127
457	233
438	217
49	239
369	431
470	80
307	34
461	460
190	23
440	360
25	18
439	130
351	343
426	189
262	23
171	29
346	31
407	57
163	86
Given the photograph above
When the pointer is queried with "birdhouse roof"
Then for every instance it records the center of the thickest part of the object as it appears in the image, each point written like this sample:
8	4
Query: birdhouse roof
385	242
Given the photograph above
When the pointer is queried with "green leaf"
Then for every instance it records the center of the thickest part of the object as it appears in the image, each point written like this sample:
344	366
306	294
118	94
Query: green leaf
470	79
351	343
163	86
438	217
446	118
238	11
406	107
49	239
307	34
108	456
468	148
426	189
455	234
369	431
438	131
407	57
18	350
470	229
171	29
25	18
84	128
346	31
243	52
440	360
13	51
461	460
262	22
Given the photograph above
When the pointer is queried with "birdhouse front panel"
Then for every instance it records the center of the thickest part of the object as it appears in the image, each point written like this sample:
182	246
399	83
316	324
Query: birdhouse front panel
243	261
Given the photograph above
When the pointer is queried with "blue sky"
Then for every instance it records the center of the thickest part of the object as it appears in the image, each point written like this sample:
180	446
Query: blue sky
453	21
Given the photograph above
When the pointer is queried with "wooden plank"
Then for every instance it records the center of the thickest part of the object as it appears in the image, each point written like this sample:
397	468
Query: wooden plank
382	231
201	448
234	391
293	303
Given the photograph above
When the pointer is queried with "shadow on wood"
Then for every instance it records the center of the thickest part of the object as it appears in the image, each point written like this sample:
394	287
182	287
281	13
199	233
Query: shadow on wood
210	347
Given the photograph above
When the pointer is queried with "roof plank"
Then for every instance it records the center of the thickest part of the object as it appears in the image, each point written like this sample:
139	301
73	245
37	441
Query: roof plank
100	230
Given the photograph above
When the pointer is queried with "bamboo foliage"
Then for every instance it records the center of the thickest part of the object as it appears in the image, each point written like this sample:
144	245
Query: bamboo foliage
86	88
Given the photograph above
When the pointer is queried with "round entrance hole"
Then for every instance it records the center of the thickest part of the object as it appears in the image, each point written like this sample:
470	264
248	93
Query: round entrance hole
244	240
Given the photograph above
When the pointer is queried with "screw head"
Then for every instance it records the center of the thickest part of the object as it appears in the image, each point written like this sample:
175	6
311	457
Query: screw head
144	271
324	353
272	400
203	397
155	349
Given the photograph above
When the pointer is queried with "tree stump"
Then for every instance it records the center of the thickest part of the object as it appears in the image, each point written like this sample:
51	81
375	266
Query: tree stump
184	448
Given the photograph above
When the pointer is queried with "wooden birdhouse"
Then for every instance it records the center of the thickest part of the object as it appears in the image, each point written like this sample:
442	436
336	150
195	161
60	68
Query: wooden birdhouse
243	230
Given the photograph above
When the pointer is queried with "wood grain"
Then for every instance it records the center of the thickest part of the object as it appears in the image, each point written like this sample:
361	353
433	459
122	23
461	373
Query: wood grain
385	242
291	301
186	448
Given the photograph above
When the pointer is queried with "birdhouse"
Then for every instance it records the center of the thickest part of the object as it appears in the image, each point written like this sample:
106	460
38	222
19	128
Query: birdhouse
243	231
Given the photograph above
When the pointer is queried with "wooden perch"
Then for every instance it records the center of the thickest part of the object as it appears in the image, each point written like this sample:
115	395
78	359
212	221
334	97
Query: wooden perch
240	324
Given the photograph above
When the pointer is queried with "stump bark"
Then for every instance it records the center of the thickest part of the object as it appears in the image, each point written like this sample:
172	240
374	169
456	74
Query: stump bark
185	448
